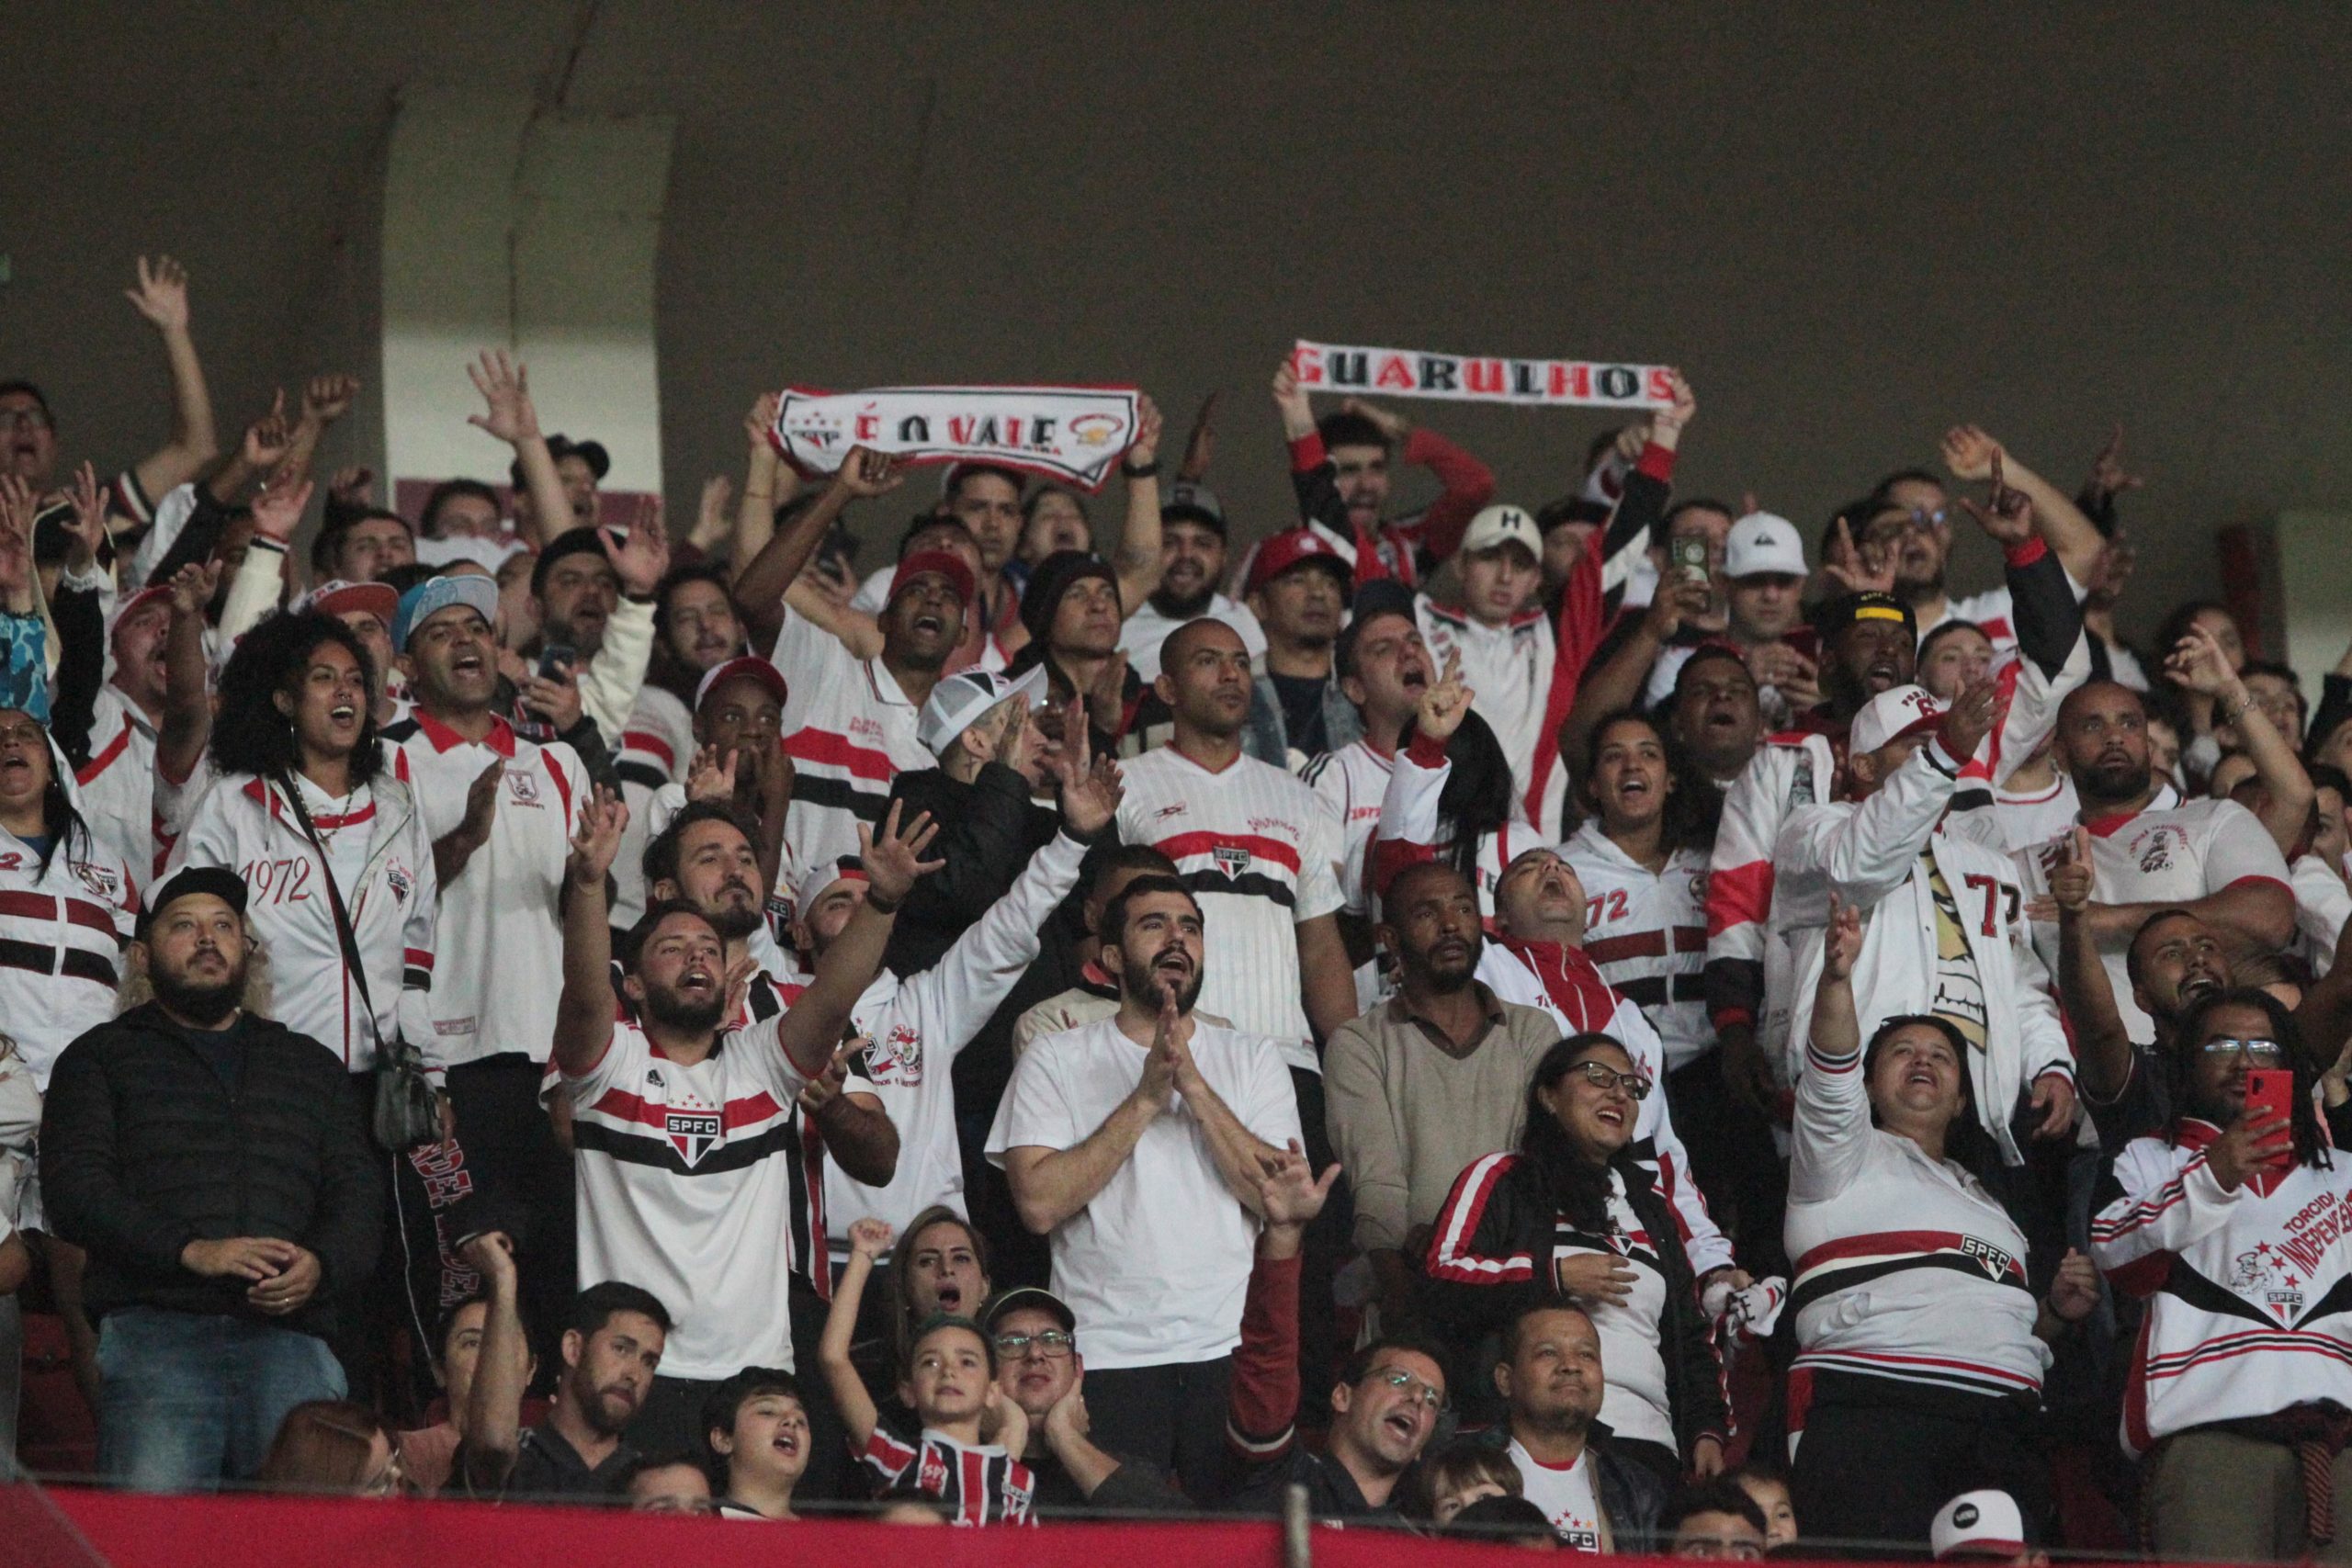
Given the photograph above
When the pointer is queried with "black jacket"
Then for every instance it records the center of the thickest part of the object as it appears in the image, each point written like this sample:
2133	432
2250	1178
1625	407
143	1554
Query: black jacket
987	830
1504	1224
1632	1499
1331	1492
144	1149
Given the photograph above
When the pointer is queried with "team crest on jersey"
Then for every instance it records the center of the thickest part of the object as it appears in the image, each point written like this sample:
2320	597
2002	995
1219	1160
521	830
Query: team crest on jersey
1995	1261
1232	860
895	1056
692	1133
2263	1275
1699	886
2156	851
523	787
99	880
402	881
933	1476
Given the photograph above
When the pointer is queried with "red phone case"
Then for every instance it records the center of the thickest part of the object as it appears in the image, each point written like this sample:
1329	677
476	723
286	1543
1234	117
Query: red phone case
2271	1090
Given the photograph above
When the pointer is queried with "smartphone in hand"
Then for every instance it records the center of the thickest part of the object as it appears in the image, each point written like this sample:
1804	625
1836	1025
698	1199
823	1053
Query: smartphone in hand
2272	1089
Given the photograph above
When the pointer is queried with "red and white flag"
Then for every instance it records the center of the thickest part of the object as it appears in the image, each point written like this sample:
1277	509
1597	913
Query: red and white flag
1073	435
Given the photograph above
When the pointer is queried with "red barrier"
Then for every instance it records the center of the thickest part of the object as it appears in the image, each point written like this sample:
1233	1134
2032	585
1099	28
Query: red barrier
39	1529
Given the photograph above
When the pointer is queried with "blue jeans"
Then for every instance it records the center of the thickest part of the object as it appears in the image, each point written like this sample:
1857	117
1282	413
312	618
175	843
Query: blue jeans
188	1400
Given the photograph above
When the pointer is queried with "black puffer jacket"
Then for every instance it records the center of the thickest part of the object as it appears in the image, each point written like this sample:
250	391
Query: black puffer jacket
144	1149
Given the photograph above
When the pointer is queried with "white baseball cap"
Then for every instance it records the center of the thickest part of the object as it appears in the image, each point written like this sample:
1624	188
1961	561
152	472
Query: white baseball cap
1978	1524
958	702
1762	541
1892	715
1503	524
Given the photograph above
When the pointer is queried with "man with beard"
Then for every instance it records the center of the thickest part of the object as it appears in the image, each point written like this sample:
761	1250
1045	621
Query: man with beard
212	1166
1299	590
1192	564
685	1150
596	597
1423	1085
2211	858
613	1341
1136	1143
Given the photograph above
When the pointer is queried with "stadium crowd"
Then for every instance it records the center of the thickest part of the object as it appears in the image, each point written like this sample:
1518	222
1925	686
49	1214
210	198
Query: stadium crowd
1611	1021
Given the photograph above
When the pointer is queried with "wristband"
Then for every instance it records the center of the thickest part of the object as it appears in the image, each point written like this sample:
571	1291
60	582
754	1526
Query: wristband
879	905
1141	470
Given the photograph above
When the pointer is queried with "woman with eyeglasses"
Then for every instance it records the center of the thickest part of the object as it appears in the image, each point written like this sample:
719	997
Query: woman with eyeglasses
1572	1213
332	1448
1920	1343
2234	1221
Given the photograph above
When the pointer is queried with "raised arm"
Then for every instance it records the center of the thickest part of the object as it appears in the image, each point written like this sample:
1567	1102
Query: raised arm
2196	664
868	1239
893	860
2102	1045
761	582
511	417
1137	560
1969	453
187	729
495	1402
162	298
583	1011
767	484
1832	1124
326	399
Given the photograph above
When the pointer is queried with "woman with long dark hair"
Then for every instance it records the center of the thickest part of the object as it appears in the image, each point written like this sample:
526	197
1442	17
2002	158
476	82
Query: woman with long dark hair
332	846
1921	1344
1573	1213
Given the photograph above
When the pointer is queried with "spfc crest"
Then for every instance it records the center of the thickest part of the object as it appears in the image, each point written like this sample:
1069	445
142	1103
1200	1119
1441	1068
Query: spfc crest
692	1133
1996	1262
1232	860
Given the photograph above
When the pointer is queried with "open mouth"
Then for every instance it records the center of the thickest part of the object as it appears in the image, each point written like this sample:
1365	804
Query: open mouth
2196	986
1884	674
1610	1116
343	713
1401	1423
1919	1077
699	981
934	624
788	1444
1414	679
951	1298
1633	787
467	664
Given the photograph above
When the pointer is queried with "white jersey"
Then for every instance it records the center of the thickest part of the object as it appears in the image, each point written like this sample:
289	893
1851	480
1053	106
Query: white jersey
1564	1492
1648	934
657	746
1157	1264
1992	612
117	782
1512	669
381	861
920	1024
1353	781
2322	905
499	949
2158	857
684	1177
849	731
1905	1267
61	935
1141	634
2032	816
1256	847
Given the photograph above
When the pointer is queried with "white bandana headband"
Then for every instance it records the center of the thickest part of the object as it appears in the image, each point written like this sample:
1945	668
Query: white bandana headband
1475	378
1073	435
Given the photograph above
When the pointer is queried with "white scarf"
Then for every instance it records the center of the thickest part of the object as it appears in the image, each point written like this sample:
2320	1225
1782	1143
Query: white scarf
1411	373
1072	435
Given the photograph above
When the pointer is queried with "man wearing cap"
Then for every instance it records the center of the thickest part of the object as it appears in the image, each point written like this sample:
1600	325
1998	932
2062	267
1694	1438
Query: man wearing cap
596	596
738	720
1982	1526
992	761
117	772
1764	572
212	1165
1943	933
1072	608
1039	1368
501	811
1192	565
1299	588
1870	646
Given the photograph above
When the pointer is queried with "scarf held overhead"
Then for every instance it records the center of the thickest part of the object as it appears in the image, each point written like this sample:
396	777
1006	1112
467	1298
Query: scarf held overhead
1409	373
1070	433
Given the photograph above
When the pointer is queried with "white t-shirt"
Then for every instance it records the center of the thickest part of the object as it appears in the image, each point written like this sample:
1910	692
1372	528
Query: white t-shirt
1142	633
2160	857
1256	847
1636	1404
1565	1494
1156	1265
849	731
684	1177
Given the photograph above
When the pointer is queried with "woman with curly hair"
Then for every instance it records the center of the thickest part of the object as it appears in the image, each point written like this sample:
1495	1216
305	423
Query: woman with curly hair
329	839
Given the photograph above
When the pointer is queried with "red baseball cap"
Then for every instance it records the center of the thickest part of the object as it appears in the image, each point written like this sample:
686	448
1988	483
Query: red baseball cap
335	598
750	667
1286	550
947	563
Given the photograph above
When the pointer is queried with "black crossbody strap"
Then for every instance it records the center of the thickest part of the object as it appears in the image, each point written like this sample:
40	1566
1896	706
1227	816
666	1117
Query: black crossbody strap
334	898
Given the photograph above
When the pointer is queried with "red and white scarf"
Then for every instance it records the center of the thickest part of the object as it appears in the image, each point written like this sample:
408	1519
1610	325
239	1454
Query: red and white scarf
1072	435
1479	378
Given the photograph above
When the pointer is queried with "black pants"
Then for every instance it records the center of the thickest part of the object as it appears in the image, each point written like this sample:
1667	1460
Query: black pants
1172	1417
510	1149
1875	1463
1326	1242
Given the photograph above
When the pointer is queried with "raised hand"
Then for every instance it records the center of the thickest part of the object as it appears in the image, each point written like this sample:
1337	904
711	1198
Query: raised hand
505	386
267	438
709	778
328	398
278	507
1090	790
893	859
715	515
2010	522
1666	423
1968	720
602	818
1298	416
18	506
1968	452
870	1238
1395	426
1631	441
490	1253
1856	570
1144	450
2197	664
1200	447
1444	705
1676	600
2071	880
353	486
2074	1290
88	529
1288	1189
2108	478
759	425
641	557
193	585
162	294
865	473
1843	943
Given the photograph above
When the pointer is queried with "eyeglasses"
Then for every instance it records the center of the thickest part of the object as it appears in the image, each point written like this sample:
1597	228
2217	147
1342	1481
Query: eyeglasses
1431	1397
2269	1051
1053	1345
1635	1085
386	1481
